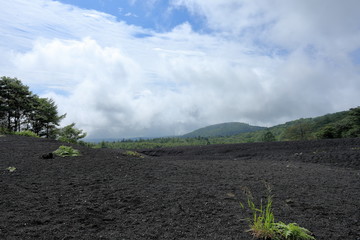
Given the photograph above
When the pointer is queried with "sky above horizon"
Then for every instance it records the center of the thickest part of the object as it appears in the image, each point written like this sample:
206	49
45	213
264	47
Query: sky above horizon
131	68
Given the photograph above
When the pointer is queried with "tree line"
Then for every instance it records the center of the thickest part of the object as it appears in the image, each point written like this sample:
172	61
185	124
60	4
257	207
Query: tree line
22	110
344	124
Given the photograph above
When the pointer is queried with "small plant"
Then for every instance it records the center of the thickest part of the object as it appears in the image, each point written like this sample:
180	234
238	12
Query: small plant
11	169
262	222
263	225
66	151
292	231
26	133
133	154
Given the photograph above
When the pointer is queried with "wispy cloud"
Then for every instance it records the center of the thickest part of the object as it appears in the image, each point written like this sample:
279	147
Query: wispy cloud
259	63
129	14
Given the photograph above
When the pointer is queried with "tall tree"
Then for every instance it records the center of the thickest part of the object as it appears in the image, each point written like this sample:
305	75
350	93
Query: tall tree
16	102
44	118
299	131
354	119
268	137
21	109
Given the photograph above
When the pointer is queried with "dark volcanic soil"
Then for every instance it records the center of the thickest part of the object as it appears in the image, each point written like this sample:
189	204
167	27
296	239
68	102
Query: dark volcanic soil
177	193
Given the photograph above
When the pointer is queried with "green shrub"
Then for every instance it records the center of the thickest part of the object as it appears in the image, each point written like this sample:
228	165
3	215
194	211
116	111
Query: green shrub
26	133
292	231
66	151
4	131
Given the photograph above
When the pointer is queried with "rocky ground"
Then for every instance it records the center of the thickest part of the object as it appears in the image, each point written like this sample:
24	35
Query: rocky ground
177	193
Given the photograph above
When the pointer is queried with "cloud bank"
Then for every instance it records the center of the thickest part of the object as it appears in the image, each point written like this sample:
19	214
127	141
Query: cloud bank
251	62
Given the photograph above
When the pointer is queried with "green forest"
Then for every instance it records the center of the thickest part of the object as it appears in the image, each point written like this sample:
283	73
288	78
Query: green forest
25	113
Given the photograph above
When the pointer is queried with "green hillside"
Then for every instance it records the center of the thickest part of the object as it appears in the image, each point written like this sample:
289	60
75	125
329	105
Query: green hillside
335	125
344	124
223	129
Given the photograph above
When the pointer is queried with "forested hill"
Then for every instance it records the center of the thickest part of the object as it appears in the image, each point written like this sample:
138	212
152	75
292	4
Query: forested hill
344	124
223	129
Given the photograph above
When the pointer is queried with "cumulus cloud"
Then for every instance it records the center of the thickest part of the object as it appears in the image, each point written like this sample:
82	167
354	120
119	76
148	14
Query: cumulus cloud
102	85
259	63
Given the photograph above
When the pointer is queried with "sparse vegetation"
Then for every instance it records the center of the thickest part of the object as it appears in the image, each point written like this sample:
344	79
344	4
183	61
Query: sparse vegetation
11	169
133	154
66	151
263	225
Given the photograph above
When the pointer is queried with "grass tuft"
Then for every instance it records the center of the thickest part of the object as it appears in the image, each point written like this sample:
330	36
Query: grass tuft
263	225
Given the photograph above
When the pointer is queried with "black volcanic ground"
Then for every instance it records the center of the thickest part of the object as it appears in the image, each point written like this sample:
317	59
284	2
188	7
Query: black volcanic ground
176	193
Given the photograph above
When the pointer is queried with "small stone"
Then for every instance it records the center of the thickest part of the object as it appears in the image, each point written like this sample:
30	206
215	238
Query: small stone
48	156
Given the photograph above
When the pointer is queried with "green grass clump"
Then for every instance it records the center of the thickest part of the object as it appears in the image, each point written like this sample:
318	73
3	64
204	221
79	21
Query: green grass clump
26	133
133	154
66	151
263	225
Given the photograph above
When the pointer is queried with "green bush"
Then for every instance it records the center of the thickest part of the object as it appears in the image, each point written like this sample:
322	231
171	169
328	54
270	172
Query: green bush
26	133
292	231
66	151
3	131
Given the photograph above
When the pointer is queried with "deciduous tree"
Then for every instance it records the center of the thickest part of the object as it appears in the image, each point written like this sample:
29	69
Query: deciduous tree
71	134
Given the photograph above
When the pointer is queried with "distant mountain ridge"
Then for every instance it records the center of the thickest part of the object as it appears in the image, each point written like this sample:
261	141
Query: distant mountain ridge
223	130
345	124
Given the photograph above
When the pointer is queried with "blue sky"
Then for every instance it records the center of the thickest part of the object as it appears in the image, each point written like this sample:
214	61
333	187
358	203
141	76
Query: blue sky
160	16
135	68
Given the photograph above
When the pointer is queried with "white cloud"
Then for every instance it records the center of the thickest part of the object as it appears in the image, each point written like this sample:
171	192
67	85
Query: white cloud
129	14
264	64
287	19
